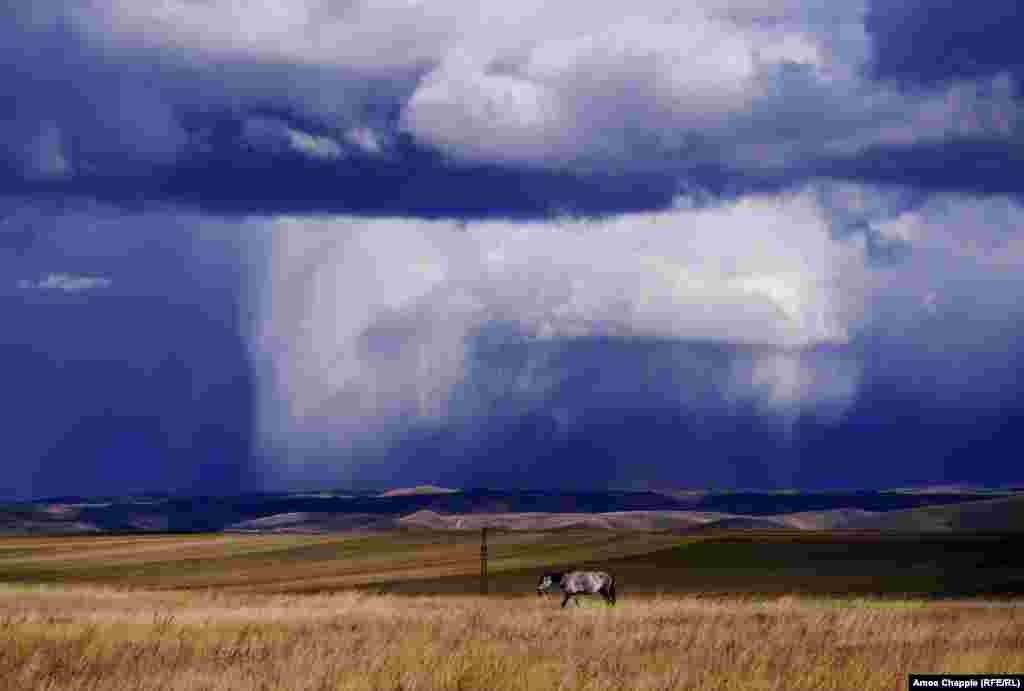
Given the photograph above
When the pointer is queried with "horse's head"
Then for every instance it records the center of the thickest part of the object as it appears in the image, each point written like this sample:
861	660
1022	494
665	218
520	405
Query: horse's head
548	582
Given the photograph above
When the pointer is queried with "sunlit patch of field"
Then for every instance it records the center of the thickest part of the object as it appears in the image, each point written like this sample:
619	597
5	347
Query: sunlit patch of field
84	637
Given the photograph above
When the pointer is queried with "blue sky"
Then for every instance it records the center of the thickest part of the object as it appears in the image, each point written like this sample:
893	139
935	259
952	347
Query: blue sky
311	243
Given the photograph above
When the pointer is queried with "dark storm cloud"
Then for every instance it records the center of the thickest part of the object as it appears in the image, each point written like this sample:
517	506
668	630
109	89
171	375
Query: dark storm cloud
104	409
642	413
230	175
122	354
616	412
491	242
922	45
410	181
138	126
804	338
931	41
435	110
77	110
981	167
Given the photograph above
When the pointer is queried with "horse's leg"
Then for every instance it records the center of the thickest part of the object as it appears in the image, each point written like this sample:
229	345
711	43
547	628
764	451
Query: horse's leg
565	599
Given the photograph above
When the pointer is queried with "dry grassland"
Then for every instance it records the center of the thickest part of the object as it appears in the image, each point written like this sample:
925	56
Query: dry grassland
222	612
101	638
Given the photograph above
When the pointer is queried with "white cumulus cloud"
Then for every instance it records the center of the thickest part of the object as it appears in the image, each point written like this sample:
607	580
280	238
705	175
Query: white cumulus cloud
366	320
275	136
67	283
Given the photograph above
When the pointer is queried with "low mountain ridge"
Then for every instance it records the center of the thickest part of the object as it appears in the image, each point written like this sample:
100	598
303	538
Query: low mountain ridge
435	508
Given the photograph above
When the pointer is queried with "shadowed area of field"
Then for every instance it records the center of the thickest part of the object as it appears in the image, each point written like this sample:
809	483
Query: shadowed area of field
791	562
767	562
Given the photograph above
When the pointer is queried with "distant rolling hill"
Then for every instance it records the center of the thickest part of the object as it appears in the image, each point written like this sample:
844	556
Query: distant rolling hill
1005	514
436	508
418	489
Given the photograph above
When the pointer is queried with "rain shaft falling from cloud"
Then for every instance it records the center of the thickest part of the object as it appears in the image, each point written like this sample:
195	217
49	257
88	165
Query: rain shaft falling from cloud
369	326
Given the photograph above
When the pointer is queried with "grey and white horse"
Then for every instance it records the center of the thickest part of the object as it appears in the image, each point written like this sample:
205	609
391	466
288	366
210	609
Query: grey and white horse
574	583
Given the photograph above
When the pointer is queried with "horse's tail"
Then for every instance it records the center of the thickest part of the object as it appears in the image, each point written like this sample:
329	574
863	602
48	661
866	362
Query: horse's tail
611	589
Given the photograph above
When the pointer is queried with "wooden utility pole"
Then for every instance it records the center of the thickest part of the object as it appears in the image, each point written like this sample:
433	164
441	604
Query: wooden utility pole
483	561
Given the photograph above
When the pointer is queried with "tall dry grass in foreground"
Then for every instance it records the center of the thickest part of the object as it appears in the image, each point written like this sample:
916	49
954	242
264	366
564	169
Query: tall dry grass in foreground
91	638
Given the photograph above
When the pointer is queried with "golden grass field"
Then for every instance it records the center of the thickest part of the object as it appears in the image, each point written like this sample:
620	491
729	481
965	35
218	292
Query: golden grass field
329	612
100	638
